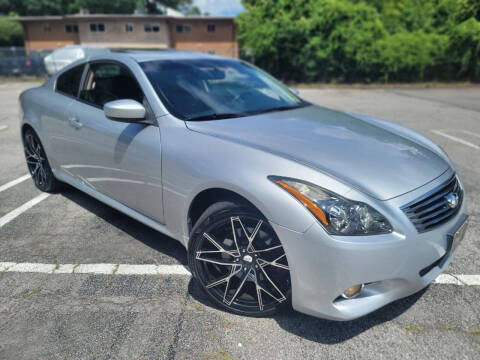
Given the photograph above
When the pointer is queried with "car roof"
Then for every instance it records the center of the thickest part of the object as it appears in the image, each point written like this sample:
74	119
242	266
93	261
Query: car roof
149	55
140	56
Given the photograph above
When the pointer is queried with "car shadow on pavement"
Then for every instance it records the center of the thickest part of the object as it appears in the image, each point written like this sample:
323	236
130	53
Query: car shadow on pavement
334	332
148	236
308	327
320	330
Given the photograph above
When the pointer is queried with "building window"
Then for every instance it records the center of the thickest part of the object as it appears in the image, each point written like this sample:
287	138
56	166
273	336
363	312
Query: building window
128	27
94	27
183	28
47	28
211	52
211	28
71	28
151	27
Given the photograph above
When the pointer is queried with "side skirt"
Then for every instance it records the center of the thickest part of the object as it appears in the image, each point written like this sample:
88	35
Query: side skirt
63	176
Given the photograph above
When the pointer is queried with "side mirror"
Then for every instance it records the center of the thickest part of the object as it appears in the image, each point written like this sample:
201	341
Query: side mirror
126	110
294	90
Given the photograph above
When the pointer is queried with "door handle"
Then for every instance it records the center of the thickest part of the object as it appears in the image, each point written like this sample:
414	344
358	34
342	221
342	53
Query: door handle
73	121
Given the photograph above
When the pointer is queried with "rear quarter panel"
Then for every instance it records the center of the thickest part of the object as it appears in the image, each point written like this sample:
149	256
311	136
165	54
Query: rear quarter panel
44	110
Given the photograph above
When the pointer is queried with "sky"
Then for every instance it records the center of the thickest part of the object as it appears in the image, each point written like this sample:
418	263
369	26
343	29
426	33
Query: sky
219	7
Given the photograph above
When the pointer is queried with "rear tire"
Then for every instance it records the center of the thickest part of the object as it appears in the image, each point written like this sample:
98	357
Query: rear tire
38	164
239	261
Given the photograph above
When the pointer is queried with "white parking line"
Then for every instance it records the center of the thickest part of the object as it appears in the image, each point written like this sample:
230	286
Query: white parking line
470	133
459	279
151	269
21	209
3	127
14	182
454	138
101	269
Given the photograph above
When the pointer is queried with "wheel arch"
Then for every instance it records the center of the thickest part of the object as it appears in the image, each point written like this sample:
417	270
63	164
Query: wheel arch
210	196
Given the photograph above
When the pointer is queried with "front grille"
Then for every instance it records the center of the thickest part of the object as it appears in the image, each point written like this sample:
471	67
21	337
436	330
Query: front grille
433	209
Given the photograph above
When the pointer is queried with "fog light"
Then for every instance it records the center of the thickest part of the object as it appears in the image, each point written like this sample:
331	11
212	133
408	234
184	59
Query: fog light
353	291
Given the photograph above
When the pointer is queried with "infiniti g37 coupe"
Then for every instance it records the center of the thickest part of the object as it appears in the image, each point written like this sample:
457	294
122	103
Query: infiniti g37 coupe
276	200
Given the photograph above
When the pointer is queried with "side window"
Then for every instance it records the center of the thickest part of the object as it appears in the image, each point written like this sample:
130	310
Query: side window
69	81
110	81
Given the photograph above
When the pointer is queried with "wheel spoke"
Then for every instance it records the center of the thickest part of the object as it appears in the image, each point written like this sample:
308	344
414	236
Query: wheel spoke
239	288
234	270
28	153
275	263
251	236
31	145
216	261
232	219
38	150
255	232
282	296
43	174
37	175
218	246
269	249
262	288
259	297
37	167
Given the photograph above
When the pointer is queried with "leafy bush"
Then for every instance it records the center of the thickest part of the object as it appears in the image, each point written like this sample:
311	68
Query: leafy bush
406	56
362	40
465	49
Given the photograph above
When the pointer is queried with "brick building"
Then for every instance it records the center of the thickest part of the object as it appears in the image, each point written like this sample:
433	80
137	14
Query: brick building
215	35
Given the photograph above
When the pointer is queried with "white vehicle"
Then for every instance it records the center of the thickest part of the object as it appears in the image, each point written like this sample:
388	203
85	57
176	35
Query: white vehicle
64	56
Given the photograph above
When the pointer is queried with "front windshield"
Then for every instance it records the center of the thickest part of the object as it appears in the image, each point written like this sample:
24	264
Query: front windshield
202	89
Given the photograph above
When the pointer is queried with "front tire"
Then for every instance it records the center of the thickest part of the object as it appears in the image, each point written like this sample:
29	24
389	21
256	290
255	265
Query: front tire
239	261
38	164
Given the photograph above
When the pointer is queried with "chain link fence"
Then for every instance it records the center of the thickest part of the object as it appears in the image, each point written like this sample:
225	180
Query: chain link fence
15	62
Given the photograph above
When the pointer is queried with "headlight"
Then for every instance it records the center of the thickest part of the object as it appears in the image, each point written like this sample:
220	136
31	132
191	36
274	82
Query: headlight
339	216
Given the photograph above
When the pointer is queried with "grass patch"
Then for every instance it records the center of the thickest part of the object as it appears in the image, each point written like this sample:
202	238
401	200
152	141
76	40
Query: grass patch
414	328
221	355
31	293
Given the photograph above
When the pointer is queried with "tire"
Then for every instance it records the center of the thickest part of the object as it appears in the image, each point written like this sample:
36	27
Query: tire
38	164
239	261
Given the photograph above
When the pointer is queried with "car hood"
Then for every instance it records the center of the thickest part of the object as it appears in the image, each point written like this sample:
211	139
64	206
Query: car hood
375	161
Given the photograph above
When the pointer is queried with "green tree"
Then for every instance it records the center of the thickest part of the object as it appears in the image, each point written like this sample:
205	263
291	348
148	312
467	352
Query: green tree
108	6
156	6
36	7
11	32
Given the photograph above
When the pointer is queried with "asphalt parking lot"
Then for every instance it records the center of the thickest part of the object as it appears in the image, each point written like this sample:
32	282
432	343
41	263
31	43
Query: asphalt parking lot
76	278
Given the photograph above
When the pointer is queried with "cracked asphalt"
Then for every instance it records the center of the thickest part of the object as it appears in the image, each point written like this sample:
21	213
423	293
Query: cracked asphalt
94	316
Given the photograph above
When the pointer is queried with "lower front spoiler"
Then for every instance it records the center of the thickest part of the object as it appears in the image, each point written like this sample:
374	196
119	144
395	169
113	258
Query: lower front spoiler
390	266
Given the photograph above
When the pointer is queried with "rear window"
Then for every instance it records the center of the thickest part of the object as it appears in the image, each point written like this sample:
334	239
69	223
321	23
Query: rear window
69	82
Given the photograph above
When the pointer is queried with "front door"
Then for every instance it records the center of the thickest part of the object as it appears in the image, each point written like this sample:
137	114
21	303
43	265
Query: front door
120	160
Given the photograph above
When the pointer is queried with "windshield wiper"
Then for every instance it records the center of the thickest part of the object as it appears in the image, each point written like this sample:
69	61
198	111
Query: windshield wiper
279	108
215	116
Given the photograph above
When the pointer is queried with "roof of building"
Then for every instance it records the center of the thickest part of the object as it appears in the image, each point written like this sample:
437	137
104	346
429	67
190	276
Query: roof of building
143	56
120	16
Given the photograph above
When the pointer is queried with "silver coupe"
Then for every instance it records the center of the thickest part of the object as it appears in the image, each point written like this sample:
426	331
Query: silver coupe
276	200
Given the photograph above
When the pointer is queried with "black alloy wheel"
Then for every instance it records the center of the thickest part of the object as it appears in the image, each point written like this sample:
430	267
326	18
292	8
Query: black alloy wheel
37	163
239	260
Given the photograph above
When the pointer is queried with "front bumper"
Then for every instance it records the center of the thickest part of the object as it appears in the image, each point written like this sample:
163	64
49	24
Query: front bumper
392	266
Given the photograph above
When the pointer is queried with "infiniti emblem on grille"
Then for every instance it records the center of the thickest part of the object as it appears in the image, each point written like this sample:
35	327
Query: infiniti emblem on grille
452	200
